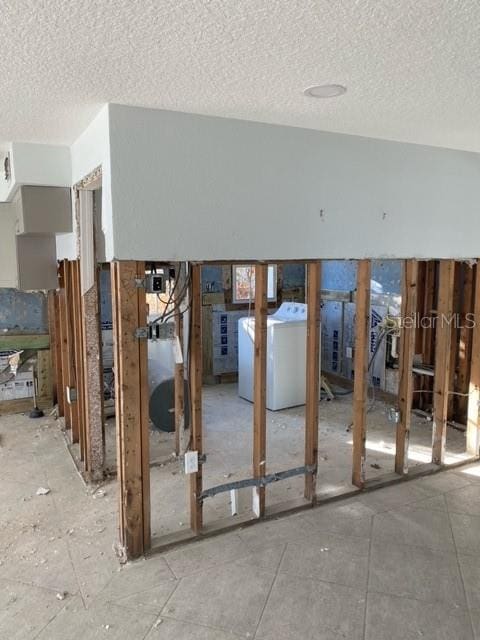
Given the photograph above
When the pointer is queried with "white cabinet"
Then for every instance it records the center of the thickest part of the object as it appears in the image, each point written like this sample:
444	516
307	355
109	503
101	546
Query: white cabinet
27	262
43	210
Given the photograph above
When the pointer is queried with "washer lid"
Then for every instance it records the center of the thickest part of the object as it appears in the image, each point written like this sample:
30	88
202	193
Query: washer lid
290	312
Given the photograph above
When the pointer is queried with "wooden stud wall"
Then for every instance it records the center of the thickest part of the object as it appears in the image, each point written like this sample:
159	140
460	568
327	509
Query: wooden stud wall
82	383
53	342
57	361
93	373
179	384
129	310
360	383
196	375
313	300
407	349
67	364
473	432
466	333
259	386
443	339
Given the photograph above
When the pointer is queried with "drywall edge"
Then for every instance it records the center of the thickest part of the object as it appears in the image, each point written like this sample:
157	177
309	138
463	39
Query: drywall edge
90	151
203	188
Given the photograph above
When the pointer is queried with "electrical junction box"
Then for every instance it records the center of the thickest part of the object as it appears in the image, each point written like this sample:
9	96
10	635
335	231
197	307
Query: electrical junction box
155	283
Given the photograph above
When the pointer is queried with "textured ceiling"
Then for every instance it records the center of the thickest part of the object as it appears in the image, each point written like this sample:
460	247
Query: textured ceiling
412	67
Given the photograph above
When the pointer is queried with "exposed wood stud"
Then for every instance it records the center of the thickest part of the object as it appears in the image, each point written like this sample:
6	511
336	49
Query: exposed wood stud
465	343
129	312
81	383
44	376
93	372
426	334
67	364
58	357
259	386
179	383
455	339
407	351
360	385
53	341
196	375
313	299
443	341
473	426
75	435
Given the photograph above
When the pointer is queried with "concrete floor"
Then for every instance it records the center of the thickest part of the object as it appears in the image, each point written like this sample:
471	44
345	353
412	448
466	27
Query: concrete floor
400	563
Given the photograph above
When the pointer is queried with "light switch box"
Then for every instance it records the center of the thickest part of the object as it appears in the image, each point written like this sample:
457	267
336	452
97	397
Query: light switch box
191	462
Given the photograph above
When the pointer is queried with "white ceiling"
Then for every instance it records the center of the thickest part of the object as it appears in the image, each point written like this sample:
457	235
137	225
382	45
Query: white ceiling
412	67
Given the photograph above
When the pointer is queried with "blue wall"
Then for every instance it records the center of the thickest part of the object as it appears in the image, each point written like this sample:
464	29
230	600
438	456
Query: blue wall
23	312
341	275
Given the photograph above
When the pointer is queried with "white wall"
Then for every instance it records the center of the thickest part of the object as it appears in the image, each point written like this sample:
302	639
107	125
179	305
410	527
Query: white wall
195	187
37	165
92	150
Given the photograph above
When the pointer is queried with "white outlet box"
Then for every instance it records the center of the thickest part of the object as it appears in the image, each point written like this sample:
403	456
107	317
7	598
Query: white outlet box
349	353
191	462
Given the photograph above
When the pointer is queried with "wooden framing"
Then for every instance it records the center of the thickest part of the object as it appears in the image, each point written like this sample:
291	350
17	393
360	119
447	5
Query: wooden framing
360	384
179	383
67	347
196	375
129	310
473	426
78	350
465	344
58	357
443	340
53	341
407	351
70	332
425	335
259	386
313	299
93	375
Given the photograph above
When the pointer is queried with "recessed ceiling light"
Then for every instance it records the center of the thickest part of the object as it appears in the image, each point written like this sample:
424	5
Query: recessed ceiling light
325	91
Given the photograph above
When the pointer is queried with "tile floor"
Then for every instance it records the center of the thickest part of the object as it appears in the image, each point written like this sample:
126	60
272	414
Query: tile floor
400	563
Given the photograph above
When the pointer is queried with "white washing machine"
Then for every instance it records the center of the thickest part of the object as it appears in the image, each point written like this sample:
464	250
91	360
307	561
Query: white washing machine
286	356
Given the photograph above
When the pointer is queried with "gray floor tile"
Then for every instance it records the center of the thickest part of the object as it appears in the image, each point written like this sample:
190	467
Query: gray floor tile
42	561
414	525
416	572
465	500
267	558
25	610
94	567
277	531
75	622
475	616
170	629
137	576
466	533
205	554
349	518
470	569
435	503
230	597
151	600
312	610
443	481
395	496
328	557
407	619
